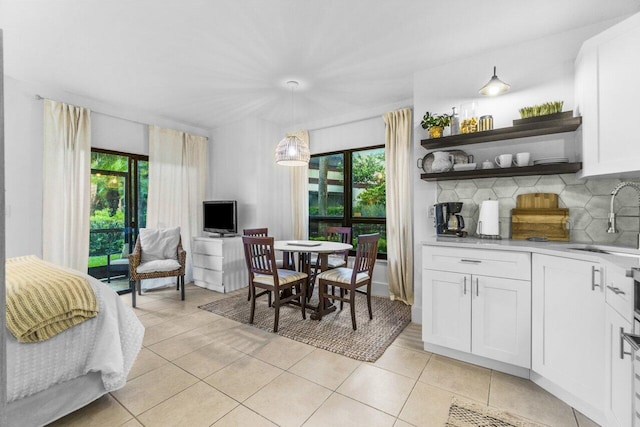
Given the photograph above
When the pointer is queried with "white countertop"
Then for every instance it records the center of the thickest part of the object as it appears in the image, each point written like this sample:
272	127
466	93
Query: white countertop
564	249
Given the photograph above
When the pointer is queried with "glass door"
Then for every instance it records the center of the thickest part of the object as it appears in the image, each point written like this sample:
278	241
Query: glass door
118	206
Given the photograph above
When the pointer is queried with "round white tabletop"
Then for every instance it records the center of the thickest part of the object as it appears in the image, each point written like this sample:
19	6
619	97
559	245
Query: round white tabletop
312	246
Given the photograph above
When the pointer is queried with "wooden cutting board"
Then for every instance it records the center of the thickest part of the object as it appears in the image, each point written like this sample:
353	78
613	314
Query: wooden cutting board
537	200
550	223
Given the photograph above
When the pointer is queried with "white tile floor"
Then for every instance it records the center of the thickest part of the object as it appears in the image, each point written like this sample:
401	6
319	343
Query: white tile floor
200	369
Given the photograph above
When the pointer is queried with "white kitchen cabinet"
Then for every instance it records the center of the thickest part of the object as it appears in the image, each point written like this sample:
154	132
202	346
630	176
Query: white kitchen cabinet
447	309
482	315
607	90
219	264
568	326
619	407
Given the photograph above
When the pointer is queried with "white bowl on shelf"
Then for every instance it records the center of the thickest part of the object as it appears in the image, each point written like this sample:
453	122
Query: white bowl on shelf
464	167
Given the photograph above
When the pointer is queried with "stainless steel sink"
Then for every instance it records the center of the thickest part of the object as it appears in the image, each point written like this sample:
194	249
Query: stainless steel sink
608	252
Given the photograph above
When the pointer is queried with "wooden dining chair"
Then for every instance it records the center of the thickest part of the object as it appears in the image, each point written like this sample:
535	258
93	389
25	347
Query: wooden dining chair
350	279
263	274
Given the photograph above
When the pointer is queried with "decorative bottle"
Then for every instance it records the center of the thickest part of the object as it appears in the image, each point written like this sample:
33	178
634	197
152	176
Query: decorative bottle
455	122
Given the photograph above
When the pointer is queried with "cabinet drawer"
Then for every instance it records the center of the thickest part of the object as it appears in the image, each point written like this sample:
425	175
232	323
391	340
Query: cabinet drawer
619	291
509	265
210	262
208	276
207	247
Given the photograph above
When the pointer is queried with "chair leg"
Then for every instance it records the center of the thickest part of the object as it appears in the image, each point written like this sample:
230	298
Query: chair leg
133	294
277	308
269	297
303	300
341	296
252	296
369	301
181	282
352	302
139	286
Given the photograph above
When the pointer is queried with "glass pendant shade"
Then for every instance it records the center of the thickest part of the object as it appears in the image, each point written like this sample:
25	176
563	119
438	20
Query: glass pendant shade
292	151
495	86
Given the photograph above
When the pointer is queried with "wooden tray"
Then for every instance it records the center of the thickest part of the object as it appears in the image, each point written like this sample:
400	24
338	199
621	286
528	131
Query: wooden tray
548	223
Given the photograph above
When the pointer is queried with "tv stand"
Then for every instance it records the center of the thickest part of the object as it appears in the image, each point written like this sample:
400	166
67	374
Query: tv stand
218	263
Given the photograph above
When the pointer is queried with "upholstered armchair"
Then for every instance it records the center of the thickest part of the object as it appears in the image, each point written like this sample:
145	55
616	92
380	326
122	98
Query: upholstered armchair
158	253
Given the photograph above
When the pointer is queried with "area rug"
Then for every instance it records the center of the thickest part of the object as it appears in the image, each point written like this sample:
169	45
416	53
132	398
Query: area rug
467	414
334	332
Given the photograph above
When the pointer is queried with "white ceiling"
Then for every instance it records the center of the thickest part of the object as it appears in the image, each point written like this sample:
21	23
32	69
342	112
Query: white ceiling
208	62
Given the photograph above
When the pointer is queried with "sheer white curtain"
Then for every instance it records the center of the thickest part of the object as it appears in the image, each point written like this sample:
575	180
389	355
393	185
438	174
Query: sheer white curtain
177	176
399	227
67	185
300	194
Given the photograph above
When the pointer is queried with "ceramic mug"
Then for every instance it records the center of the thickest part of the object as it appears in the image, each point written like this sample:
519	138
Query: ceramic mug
504	160
522	159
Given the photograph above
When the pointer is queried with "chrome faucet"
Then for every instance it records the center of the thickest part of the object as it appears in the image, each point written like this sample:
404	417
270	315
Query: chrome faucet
612	216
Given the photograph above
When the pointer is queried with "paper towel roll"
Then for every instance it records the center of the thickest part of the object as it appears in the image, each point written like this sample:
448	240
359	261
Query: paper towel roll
489	219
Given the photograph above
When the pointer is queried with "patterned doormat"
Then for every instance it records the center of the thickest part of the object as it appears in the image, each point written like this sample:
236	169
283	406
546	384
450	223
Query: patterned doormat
467	414
334	332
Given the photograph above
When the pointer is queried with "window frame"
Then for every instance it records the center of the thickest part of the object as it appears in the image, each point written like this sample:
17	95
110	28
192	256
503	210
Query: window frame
348	219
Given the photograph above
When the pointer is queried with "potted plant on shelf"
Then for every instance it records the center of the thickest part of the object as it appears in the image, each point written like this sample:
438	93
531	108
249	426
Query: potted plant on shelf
435	124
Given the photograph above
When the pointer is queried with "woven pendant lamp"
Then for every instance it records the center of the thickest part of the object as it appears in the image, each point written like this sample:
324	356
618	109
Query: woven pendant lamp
291	150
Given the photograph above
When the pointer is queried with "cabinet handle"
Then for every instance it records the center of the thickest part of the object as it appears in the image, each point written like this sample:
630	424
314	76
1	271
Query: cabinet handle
477	287
593	277
470	261
464	291
616	290
622	352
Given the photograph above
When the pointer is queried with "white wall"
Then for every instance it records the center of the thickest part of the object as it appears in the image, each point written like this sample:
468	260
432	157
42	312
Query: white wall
538	72
242	167
23	152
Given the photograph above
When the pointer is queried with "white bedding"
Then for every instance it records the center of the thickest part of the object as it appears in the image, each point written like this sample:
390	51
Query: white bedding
107	343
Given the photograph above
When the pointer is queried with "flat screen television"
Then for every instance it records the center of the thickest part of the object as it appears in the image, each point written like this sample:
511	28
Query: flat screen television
220	216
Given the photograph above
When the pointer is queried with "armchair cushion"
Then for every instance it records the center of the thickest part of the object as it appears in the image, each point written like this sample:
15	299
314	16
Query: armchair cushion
158	265
159	244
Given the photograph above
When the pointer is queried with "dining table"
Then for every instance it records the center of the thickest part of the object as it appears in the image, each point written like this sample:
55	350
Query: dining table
305	249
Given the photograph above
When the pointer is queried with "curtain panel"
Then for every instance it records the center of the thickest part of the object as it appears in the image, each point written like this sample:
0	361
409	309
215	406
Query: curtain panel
67	185
177	177
300	194
399	225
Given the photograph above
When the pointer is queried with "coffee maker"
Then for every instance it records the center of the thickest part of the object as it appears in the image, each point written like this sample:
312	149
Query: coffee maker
448	220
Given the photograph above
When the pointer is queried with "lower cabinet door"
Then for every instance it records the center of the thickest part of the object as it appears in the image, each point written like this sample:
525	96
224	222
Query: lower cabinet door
446	305
568	320
501	319
619	371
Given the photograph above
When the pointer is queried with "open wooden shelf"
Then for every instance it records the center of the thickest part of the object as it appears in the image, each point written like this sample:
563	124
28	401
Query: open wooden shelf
552	169
545	127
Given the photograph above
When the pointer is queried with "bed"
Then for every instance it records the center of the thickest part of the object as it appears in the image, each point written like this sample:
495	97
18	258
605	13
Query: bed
50	379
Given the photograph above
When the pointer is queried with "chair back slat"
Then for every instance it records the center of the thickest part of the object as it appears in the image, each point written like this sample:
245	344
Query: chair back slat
339	234
366	254
256	232
259	255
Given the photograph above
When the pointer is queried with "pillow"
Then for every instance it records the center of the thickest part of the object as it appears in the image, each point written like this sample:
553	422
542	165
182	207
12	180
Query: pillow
159	243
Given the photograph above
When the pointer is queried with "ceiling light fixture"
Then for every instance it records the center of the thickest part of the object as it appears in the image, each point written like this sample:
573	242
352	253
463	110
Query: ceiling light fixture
495	86
291	150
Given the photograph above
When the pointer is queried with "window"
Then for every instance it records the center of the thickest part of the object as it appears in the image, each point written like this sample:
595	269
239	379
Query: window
118	209
347	188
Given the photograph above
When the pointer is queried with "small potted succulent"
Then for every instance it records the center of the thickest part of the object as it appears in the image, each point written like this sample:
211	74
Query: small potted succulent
435	124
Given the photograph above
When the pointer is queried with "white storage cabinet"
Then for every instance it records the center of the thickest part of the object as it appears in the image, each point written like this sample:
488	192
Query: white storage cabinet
219	264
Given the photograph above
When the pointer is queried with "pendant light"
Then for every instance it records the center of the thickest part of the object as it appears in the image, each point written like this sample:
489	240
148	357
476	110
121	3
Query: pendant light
291	150
495	86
